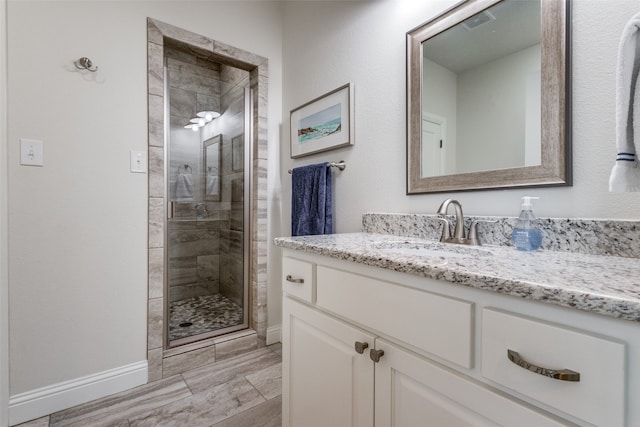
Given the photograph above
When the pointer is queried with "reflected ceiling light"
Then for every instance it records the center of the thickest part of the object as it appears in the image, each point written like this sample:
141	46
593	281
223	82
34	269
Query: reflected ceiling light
198	121
208	115
194	127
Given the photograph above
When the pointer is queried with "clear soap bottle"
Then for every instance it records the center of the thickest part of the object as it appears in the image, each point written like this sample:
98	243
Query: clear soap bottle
526	235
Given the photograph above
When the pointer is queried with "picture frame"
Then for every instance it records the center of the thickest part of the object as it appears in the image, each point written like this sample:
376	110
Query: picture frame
237	153
325	123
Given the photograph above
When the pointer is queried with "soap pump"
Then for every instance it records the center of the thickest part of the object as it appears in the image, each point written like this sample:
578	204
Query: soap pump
526	235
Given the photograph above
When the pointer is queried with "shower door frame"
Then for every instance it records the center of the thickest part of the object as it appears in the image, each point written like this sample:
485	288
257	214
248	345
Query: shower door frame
162	361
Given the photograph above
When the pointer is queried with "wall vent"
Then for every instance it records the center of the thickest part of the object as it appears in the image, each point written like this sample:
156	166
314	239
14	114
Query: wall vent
477	20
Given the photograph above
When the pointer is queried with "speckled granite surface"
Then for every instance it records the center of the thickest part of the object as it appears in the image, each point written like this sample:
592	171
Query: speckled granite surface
602	284
587	236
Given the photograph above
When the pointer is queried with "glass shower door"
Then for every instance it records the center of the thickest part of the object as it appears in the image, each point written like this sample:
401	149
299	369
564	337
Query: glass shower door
207	233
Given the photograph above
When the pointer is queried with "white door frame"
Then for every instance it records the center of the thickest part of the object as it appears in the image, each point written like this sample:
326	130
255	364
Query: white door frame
4	277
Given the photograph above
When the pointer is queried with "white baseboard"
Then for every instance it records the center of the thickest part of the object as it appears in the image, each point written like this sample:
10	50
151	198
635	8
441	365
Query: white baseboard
274	334
46	400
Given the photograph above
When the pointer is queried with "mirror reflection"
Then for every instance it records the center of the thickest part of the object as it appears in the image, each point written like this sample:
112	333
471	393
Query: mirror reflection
488	93
211	157
481	92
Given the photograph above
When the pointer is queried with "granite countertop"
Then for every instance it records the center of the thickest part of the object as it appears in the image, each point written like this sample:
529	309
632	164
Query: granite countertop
606	285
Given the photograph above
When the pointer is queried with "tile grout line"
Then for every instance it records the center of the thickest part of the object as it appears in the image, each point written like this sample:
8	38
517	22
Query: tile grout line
191	395
254	387
186	383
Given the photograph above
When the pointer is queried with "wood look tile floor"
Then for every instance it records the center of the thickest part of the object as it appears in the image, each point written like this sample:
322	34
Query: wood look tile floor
243	391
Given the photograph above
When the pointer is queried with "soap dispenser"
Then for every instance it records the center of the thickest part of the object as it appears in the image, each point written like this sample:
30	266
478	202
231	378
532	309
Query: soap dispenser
526	235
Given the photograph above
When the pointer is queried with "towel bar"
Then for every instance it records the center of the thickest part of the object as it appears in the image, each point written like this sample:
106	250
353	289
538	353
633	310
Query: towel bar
340	165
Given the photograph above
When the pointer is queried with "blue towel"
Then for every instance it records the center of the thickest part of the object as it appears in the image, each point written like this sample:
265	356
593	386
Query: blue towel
311	206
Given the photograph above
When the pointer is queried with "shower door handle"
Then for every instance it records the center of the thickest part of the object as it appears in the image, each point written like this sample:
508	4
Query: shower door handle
171	209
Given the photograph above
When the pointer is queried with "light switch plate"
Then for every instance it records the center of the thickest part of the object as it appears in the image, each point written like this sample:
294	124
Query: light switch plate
138	161
31	152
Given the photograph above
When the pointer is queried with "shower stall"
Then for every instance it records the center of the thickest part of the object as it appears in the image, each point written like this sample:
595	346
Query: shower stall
207	173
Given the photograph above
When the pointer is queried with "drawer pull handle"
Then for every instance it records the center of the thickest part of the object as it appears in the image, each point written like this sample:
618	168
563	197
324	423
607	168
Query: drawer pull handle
292	280
375	355
361	346
558	374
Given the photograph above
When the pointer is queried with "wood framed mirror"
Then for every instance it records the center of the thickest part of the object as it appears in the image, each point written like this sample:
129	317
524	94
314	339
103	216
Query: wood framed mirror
488	97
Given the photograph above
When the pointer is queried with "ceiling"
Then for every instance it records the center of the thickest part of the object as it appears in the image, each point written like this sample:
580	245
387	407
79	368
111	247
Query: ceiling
516	26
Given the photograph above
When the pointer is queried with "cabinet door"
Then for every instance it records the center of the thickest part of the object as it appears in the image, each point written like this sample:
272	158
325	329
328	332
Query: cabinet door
411	391
325	381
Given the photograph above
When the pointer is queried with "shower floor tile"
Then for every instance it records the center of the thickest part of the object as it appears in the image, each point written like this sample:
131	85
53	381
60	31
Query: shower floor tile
202	314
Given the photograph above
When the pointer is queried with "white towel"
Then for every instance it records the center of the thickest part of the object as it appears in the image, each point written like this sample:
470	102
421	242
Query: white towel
625	176
184	187
212	185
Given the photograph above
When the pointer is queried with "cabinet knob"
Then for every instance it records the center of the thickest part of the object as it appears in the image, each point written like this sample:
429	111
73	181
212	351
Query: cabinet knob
375	355
361	346
558	374
291	279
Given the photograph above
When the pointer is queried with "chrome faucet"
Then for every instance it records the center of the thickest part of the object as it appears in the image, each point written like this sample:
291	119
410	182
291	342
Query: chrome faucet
458	233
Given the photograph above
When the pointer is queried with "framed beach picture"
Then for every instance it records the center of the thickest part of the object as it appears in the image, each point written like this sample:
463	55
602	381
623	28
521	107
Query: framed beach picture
323	124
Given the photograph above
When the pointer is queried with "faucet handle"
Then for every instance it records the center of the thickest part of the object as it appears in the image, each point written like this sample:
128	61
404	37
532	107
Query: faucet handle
446	229
473	231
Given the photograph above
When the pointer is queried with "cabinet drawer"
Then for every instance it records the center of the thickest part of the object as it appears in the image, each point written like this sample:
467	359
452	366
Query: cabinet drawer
411	391
599	395
429	322
298	278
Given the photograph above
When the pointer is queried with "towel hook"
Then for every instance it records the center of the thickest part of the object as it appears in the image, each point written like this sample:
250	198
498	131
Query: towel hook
85	63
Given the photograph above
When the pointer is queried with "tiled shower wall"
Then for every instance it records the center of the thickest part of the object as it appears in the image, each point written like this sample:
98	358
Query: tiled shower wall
164	362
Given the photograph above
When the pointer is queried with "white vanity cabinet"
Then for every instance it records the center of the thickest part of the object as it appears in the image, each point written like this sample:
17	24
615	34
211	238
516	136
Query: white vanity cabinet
440	354
323	366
